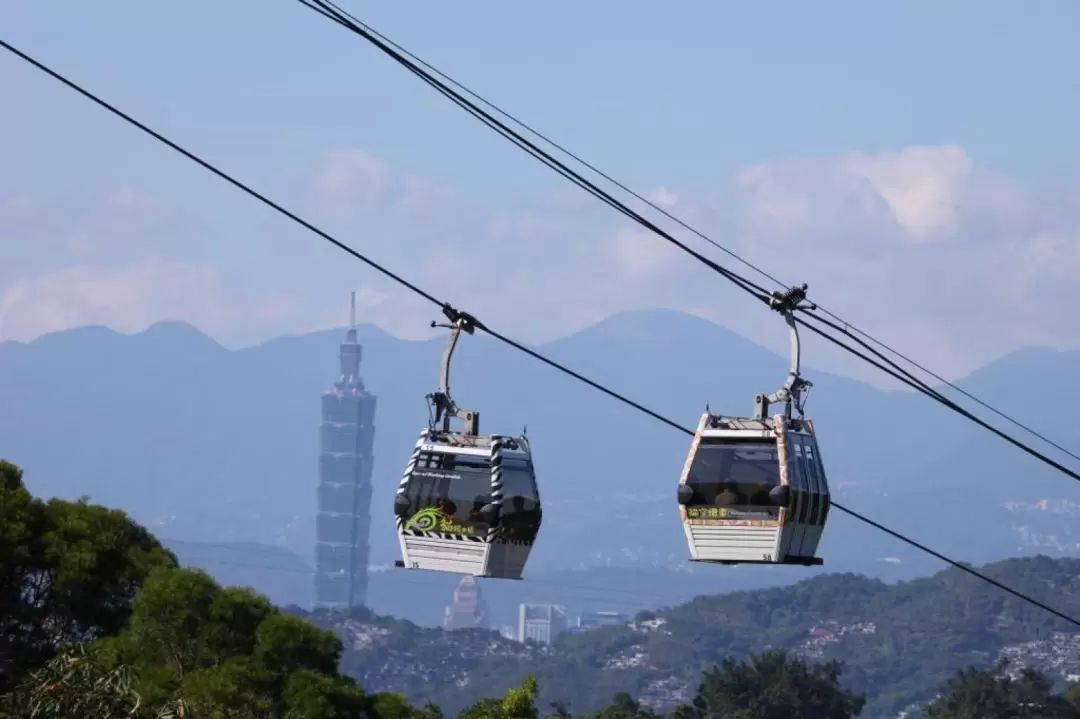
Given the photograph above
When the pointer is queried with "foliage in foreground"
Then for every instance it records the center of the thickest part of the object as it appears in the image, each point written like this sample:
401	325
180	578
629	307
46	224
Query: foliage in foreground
69	572
98	621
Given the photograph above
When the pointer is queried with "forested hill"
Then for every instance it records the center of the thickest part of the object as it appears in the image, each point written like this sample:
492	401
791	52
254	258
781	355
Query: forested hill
901	642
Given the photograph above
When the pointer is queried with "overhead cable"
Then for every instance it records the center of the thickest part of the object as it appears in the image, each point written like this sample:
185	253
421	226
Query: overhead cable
848	326
335	13
483	327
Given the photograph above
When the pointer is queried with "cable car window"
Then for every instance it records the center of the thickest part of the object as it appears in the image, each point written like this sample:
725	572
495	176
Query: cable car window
816	512
455	486
823	486
734	475
800	480
521	501
798	467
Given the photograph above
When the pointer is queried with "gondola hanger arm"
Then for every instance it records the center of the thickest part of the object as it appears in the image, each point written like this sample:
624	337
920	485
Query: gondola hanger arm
795	388
444	405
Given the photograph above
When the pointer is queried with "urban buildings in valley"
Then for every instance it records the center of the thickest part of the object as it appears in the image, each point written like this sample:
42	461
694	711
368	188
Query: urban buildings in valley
593	620
541	622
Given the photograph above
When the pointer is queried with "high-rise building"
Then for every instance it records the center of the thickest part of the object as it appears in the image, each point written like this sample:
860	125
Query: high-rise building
344	495
592	620
468	608
540	622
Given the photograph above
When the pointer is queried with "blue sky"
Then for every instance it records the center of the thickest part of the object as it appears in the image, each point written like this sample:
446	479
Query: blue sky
915	162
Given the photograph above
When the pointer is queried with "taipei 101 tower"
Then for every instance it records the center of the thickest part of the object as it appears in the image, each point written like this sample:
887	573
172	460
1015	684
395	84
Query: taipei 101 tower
344	495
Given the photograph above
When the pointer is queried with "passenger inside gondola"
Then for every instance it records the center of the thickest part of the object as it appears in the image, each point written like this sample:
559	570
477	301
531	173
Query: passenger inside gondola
521	510
728	475
760	497
727	496
450	483
444	505
478	504
519	521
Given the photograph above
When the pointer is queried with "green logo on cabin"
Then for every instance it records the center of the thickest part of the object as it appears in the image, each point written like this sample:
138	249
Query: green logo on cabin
426	519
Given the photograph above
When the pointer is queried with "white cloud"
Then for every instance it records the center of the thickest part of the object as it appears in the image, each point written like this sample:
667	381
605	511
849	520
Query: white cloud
663	197
351	177
639	254
922	186
127	299
922	247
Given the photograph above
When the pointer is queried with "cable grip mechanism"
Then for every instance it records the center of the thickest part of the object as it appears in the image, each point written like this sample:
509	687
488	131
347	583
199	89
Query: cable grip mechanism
441	401
795	388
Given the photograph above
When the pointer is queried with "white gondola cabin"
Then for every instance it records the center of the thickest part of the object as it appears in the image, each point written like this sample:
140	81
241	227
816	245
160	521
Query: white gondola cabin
754	490
467	503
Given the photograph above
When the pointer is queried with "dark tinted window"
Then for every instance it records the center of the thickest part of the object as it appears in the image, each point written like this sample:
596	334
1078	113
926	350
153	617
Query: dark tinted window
726	475
801	481
446	491
823	485
521	502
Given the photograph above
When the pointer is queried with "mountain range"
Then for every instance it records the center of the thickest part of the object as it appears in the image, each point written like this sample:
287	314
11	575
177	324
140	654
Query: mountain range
215	450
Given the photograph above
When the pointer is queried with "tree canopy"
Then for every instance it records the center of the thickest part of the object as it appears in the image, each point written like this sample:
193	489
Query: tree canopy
996	692
69	572
98	620
775	686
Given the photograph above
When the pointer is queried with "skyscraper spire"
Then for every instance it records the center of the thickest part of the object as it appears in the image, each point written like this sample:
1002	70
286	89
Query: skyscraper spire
351	352
352	315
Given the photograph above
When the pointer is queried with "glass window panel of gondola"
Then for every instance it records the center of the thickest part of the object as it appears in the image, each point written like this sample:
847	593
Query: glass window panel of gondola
801	481
734	475
823	487
521	505
457	485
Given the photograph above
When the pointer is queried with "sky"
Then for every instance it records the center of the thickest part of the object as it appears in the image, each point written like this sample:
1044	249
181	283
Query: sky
914	162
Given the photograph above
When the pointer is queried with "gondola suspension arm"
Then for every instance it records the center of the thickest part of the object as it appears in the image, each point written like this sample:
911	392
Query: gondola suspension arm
795	388
444	405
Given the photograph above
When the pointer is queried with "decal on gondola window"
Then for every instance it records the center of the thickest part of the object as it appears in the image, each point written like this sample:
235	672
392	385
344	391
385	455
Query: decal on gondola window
426	520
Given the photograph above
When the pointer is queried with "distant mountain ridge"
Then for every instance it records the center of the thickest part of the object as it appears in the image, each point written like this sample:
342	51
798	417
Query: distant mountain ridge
205	444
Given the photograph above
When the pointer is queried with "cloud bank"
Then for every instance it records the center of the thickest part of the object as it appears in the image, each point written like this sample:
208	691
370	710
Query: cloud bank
922	247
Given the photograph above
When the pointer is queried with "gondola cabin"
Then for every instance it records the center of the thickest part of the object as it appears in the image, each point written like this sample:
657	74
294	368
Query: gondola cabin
468	505
754	491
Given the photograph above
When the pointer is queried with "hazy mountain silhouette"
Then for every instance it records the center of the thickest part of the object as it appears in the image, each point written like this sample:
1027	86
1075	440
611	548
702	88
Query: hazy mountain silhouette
204	444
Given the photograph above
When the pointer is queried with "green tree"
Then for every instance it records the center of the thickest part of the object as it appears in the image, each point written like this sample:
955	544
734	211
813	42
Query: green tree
69	572
20	523
97	620
976	693
560	710
624	706
395	706
517	703
772	686
229	649
76	684
1072	694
